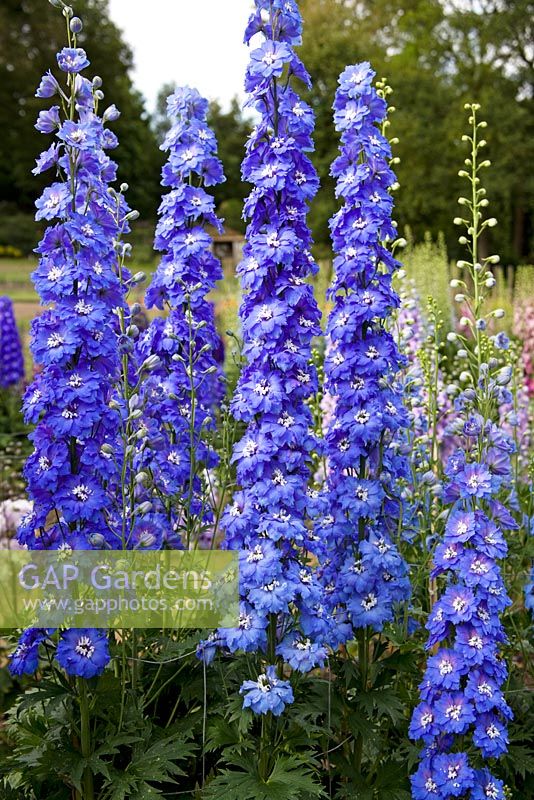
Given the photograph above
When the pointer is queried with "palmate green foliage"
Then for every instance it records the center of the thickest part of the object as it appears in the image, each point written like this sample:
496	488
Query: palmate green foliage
436	54
136	753
290	779
133	764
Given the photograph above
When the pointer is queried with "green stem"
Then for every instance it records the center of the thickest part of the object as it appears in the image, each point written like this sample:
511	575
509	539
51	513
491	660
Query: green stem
474	240
85	726
363	659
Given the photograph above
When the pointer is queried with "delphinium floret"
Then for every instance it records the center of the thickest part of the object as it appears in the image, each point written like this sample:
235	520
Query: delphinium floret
181	393
461	691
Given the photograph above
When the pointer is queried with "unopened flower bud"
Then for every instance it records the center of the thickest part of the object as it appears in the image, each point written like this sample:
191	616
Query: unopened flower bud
111	113
428	479
76	25
150	363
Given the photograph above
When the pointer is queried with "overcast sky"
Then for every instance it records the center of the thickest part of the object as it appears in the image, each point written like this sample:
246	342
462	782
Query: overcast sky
194	42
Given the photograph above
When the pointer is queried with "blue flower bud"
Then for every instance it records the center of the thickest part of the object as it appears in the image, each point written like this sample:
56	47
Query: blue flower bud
76	25
504	375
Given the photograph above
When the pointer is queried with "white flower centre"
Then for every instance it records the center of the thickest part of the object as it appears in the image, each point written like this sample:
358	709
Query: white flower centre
459	605
265	313
362	493
475	641
250	448
454	711
82	307
85	647
55	274
82	492
55	340
369	602
256	555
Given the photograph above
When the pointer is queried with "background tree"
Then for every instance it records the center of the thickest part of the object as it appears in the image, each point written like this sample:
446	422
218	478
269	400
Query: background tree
31	32
437	54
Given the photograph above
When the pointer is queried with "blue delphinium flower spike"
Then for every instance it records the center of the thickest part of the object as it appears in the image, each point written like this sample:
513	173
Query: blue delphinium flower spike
71	474
365	573
462	700
182	392
11	358
279	316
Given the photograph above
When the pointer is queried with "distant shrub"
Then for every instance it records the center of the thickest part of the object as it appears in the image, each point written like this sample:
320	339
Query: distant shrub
18	234
427	264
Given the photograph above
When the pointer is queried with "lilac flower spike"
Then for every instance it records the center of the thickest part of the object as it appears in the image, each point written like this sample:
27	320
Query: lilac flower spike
365	574
279	318
182	392
11	358
461	692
